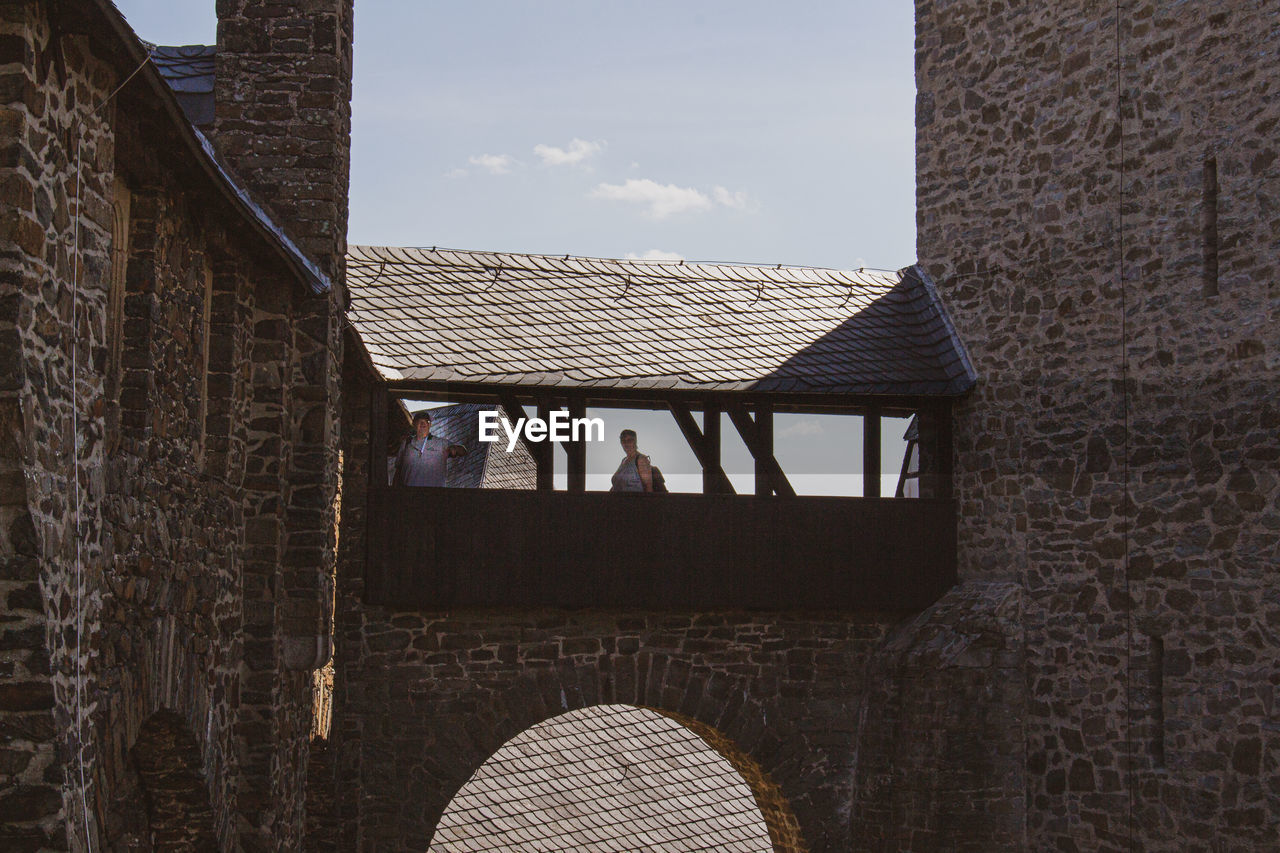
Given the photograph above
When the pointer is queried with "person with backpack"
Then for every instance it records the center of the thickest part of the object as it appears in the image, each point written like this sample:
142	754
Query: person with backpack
636	473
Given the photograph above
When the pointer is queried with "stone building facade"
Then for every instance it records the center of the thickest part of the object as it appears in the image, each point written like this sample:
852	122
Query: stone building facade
179	402
168	452
1096	196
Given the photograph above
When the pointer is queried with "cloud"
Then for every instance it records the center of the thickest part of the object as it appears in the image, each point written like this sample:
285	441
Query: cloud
578	151
662	200
736	200
800	429
655	255
497	164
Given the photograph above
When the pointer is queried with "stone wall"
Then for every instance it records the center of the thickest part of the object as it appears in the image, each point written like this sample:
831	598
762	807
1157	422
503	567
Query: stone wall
284	113
940	749
50	558
1096	192
422	700
425	699
158	632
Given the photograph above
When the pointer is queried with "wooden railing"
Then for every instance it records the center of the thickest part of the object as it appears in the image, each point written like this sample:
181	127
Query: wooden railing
445	549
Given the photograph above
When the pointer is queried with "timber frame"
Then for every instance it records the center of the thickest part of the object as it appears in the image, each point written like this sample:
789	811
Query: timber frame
443	549
750	413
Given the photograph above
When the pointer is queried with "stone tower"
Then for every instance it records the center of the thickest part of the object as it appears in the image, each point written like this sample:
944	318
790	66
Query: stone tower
284	113
1096	192
283	124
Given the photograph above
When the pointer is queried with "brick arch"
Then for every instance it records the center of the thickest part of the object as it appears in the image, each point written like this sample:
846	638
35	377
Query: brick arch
779	817
167	759
597	737
765	749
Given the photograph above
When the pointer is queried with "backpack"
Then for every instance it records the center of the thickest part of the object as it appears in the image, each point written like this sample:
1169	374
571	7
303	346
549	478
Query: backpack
659	481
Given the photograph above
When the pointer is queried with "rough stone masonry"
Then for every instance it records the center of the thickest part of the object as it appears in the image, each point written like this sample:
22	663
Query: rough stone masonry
168	460
1097	187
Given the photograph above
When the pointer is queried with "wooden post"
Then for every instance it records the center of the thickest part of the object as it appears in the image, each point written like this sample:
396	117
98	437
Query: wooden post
375	495
871	453
759	450
713	476
379	399
764	429
935	450
714	480
577	450
943	451
547	458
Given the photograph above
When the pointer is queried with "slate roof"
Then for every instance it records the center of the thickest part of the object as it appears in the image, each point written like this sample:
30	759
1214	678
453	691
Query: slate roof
561	321
189	71
606	778
487	465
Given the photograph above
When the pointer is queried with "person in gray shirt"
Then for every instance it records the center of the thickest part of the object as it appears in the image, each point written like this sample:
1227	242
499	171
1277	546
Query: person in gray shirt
423	458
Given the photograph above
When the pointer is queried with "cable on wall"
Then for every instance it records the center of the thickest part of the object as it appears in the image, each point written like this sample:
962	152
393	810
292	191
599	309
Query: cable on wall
1124	410
78	129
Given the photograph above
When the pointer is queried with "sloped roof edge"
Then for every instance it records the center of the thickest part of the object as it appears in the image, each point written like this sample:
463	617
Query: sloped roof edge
960	385
202	150
561	321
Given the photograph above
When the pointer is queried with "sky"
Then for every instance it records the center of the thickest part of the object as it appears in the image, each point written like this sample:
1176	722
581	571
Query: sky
744	131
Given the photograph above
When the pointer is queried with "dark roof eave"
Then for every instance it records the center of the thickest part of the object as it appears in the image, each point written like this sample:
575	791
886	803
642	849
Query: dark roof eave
202	150
961	384
657	388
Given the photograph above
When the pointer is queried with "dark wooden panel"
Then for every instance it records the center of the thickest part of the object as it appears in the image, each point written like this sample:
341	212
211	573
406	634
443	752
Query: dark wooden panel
459	548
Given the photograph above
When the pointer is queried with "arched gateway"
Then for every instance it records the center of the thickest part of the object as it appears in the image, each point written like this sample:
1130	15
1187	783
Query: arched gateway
467	617
617	777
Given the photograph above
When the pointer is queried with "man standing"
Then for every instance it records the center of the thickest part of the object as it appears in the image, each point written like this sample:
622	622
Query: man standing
423	457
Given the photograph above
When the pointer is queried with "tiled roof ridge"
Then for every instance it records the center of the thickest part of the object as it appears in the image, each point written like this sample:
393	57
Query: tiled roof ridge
666	265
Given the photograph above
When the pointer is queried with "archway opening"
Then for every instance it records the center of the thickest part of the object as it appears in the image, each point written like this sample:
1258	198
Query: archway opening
618	777
167	758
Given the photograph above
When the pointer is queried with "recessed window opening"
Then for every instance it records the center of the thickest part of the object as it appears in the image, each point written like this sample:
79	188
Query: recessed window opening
819	454
452	454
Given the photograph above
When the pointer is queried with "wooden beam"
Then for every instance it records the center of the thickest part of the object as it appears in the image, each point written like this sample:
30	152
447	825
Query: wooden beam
714	480
514	411
547	459
751	438
942	409
378	402
764	429
935	450
871	454
376	490
577	450
651	398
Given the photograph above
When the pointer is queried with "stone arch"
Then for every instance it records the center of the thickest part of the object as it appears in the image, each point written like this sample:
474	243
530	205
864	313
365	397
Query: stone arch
620	773
167	759
425	699
735	714
779	817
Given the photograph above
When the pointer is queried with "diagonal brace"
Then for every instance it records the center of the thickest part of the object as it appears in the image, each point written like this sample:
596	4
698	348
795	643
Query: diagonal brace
699	445
514	411
763	455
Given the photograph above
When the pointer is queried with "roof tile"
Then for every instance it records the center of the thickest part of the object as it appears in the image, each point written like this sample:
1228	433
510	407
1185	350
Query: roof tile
538	320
